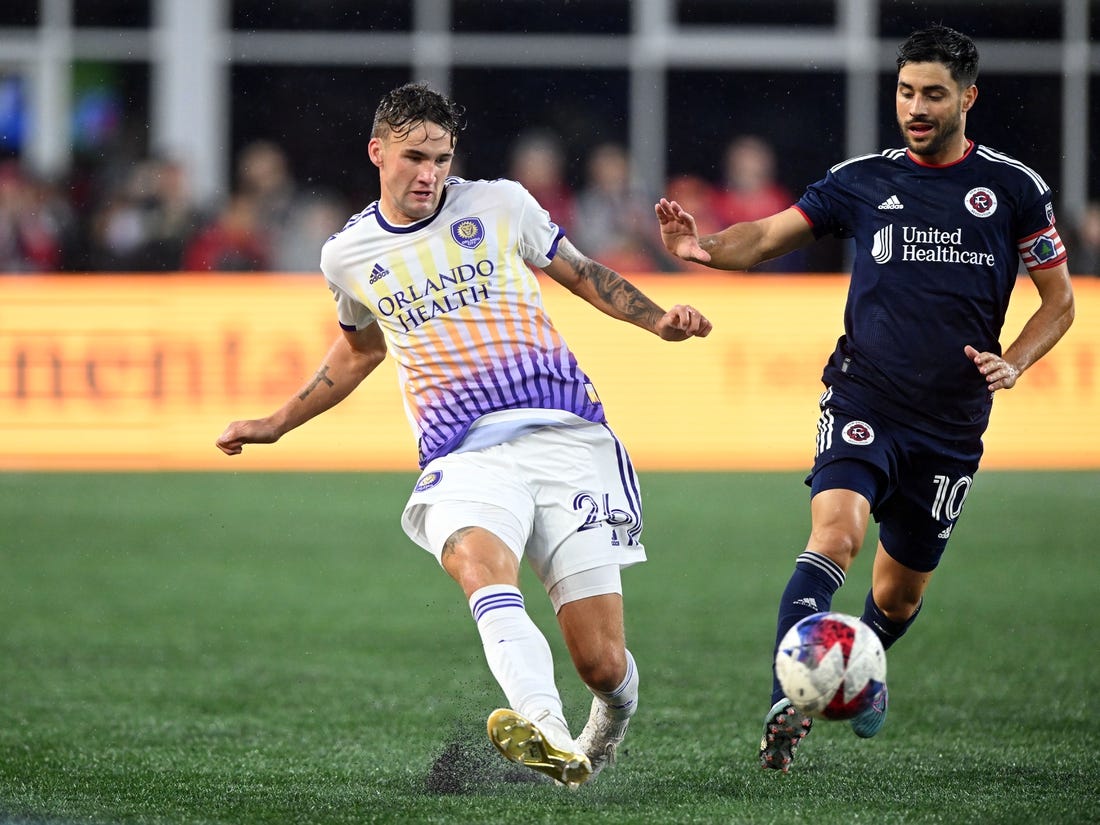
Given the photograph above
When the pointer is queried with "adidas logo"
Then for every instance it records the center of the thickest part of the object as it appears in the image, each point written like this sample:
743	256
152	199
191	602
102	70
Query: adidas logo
809	602
946	534
378	273
891	202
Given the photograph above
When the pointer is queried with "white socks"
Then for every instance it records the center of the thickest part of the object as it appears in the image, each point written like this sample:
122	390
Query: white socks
518	655
623	700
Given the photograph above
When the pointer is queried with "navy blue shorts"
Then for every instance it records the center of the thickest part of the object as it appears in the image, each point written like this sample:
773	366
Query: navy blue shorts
916	482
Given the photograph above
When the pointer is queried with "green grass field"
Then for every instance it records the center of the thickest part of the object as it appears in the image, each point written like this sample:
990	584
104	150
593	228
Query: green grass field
271	649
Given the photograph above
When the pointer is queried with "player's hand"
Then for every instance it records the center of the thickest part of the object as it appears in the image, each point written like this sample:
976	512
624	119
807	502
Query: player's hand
678	232
999	374
683	322
239	433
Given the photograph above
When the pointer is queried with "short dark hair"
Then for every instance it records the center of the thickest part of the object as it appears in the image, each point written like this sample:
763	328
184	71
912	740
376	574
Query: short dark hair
406	107
941	44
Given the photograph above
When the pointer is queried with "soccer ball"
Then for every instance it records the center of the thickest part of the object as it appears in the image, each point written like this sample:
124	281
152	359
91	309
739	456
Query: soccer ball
830	665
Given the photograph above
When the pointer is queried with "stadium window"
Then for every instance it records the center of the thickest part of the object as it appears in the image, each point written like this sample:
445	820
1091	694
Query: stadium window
19	13
755	12
1027	20
1094	129
323	123
110	109
112	13
13	114
332	15
581	107
707	108
542	16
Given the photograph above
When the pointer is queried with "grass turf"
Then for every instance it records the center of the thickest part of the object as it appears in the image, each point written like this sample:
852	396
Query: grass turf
254	649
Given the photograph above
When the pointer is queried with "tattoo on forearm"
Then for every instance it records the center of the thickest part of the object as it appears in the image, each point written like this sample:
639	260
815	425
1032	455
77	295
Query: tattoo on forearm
615	290
320	378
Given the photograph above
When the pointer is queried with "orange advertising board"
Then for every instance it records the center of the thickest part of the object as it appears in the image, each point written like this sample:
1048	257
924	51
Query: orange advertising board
143	372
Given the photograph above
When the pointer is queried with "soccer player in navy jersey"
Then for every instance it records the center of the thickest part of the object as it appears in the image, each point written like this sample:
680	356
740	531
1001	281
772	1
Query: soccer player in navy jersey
939	229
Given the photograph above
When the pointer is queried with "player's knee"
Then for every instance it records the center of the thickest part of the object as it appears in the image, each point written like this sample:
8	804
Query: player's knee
840	543
901	610
602	671
475	558
897	604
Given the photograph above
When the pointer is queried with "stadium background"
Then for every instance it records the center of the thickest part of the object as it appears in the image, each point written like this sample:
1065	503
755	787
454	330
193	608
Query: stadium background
140	373
267	647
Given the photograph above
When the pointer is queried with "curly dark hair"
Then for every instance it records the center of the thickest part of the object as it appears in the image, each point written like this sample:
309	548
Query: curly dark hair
941	44
406	107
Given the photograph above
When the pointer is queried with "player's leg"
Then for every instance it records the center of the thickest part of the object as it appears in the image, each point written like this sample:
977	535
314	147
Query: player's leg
846	479
532	731
588	527
487	570
593	629
934	479
895	597
891	606
479	543
839	518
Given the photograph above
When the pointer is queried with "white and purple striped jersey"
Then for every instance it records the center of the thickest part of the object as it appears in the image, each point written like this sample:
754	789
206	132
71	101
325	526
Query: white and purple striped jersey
462	312
937	253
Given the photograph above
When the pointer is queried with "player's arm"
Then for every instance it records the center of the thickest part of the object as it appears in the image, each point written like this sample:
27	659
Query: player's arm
1041	332
737	247
613	295
352	357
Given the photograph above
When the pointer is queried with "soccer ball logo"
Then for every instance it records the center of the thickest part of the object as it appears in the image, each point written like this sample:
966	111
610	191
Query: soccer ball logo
831	665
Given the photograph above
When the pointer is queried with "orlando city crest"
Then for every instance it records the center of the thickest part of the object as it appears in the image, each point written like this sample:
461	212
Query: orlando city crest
468	232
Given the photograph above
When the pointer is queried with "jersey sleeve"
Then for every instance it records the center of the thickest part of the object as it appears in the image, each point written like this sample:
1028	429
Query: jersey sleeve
350	313
823	209
539	236
1039	244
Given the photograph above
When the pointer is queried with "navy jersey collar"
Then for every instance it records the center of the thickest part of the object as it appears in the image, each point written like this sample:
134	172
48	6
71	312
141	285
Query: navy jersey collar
970	146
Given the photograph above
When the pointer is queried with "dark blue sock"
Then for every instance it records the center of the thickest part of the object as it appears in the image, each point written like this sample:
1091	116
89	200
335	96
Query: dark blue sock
887	630
810	590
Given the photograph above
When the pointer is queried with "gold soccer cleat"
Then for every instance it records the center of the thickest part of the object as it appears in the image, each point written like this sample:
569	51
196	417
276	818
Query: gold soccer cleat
522	741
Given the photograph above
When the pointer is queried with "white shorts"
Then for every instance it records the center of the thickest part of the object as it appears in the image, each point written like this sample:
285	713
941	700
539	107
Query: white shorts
565	497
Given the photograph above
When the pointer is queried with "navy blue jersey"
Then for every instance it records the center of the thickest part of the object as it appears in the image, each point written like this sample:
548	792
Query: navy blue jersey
937	252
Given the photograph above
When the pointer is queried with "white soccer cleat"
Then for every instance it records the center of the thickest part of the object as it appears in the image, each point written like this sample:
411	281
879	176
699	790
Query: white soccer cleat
602	735
526	743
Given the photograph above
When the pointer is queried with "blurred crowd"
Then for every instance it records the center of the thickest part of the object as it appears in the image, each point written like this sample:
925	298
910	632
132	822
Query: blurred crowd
141	216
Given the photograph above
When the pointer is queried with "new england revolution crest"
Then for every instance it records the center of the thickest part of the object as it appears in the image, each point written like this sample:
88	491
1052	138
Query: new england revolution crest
468	232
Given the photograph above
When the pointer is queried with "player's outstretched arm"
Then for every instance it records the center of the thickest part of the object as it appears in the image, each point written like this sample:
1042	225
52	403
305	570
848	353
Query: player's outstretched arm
1042	331
352	357
613	295
679	233
737	247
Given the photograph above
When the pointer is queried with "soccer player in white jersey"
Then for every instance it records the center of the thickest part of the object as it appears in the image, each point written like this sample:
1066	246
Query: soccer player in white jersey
940	228
516	455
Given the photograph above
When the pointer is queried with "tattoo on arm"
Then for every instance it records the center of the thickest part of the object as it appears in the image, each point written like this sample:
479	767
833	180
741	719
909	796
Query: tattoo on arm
615	290
320	378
